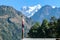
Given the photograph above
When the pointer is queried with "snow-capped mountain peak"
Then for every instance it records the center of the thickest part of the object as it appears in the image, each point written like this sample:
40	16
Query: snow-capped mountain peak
29	11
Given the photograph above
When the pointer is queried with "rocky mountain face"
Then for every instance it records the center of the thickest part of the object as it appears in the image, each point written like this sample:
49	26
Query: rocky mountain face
46	12
10	23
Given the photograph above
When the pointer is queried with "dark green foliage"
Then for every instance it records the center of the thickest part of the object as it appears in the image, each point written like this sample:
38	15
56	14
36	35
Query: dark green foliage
47	29
33	31
58	28
44	24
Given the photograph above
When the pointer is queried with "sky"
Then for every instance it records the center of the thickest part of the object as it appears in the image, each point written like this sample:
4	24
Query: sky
29	7
18	4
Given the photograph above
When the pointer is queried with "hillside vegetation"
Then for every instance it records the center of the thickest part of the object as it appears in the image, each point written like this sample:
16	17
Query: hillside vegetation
48	29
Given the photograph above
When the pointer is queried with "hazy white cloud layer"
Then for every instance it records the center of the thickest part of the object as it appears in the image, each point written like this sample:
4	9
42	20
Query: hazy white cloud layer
29	11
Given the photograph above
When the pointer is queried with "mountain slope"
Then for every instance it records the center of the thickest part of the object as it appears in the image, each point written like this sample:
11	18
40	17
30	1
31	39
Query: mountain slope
10	23
46	12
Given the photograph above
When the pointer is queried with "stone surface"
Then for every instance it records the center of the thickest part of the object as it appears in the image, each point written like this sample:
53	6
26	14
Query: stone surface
39	39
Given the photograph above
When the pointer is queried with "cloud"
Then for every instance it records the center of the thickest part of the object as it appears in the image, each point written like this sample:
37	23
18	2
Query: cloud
29	11
53	6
